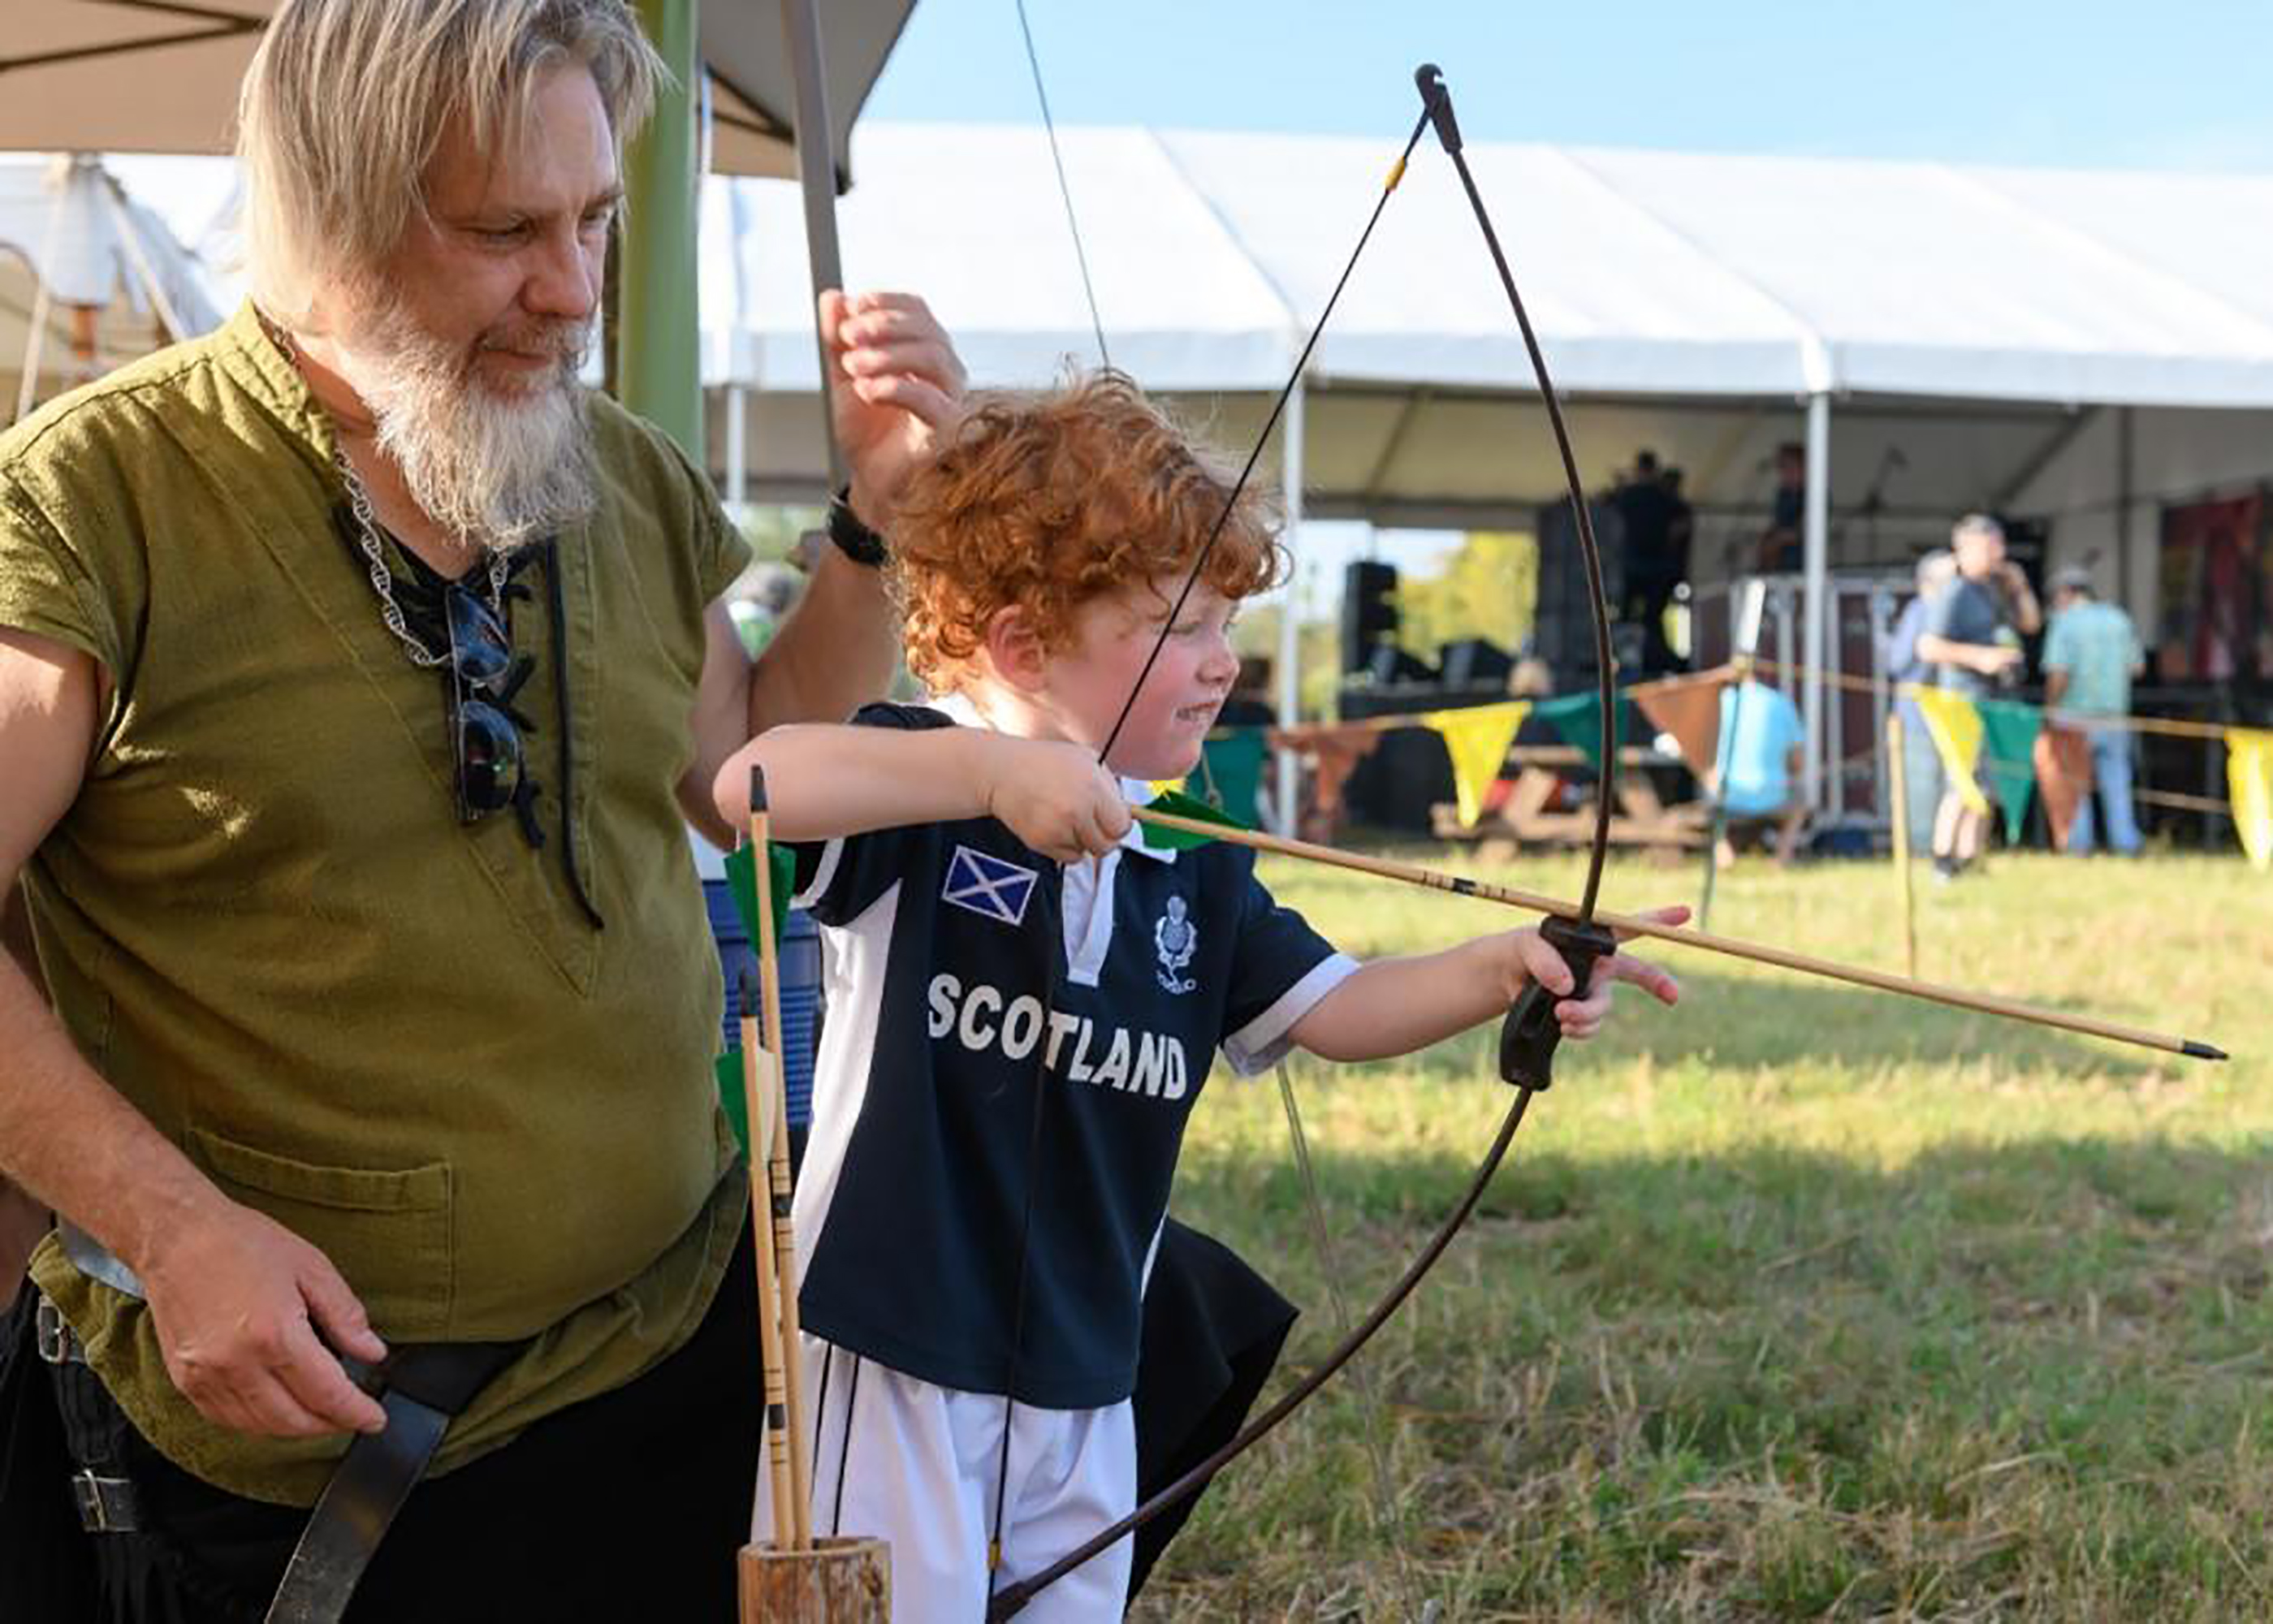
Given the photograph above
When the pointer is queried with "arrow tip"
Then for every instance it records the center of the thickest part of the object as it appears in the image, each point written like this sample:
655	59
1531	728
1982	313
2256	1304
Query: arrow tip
2202	1051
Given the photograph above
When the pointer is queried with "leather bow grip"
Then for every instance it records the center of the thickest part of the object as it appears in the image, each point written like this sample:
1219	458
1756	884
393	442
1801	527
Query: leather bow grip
1528	1039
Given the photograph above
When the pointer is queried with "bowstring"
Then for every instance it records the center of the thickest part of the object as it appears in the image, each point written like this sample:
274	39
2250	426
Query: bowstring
1065	192
1006	1603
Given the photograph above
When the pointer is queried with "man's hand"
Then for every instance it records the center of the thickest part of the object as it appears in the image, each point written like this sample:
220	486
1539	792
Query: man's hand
239	1302
1056	796
894	385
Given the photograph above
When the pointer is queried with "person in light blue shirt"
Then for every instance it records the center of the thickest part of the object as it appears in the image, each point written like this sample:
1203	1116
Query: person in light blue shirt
2091	653
1762	743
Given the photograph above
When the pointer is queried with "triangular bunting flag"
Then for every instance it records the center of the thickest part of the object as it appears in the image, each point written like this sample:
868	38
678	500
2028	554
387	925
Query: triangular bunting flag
2249	781
2009	730
1955	728
1578	717
1690	710
1477	737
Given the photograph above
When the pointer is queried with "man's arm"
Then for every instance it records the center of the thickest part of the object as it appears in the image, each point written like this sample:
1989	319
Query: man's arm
2028	614
232	1292
835	653
896	385
2055	687
1986	658
23	1220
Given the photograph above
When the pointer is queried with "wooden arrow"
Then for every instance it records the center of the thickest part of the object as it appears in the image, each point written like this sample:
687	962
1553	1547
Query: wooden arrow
1634	925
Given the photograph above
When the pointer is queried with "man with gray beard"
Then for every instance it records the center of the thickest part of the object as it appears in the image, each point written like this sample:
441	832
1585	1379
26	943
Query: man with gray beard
359	671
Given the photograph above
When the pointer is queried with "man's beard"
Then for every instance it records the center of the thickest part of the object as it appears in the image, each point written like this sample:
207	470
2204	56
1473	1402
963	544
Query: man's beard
493	468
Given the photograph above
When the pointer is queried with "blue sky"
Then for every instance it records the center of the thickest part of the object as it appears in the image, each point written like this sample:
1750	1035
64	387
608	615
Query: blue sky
2090	82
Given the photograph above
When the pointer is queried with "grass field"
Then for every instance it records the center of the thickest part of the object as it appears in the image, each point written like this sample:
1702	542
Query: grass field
1795	1301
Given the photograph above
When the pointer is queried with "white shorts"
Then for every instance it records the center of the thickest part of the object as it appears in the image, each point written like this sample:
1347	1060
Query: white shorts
917	1465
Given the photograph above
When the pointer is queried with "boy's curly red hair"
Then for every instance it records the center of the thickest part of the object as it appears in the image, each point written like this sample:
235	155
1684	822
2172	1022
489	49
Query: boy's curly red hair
1050	499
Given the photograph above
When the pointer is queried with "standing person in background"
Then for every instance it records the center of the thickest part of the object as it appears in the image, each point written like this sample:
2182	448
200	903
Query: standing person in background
1782	546
1921	762
2091	653
1655	555
1969	641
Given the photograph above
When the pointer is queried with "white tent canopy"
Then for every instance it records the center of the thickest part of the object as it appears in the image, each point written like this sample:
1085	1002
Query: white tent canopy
89	278
1652	277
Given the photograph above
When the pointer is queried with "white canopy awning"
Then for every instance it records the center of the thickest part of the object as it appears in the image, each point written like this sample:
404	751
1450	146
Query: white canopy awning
1963	319
135	75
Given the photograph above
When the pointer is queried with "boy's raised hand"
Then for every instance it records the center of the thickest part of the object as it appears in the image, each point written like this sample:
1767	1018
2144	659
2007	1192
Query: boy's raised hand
1056	796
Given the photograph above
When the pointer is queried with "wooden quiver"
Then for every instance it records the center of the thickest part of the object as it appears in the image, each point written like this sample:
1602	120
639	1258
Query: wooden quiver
837	1582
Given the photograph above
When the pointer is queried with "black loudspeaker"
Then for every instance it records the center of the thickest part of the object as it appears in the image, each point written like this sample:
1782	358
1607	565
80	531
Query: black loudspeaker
1564	630
1388	664
1369	611
1474	662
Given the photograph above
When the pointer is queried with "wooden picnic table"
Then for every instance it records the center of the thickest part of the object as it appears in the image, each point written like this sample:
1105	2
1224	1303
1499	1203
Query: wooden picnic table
1639	816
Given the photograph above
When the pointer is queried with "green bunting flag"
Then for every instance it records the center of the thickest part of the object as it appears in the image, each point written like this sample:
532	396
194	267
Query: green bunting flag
1578	717
1183	807
2008	741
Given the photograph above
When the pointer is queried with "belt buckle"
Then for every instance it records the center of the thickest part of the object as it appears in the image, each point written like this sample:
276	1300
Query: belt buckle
52	1336
106	1505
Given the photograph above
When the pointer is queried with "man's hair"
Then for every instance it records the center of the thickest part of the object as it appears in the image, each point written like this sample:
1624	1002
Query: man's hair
1976	524
347	102
1935	567
1049	499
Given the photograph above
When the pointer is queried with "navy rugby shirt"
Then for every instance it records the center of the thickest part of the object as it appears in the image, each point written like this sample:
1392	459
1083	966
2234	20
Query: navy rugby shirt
953	993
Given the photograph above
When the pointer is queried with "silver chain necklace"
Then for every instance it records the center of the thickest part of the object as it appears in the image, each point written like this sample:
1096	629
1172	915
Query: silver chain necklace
382	578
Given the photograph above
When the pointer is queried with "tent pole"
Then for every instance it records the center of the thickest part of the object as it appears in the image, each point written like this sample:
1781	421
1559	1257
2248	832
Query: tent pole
2123	502
656	334
35	335
738	459
1290	630
1816	599
137	254
817	172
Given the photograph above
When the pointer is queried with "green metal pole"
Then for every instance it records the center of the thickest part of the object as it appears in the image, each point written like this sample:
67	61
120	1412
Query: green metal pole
657	366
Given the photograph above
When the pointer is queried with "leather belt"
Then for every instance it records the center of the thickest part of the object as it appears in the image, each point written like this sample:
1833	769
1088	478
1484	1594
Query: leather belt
421	1388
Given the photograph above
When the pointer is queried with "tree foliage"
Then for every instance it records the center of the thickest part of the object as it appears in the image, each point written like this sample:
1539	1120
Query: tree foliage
1489	588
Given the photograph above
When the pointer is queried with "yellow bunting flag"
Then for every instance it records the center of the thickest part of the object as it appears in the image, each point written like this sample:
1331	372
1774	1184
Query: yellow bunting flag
1477	736
1955	728
2249	781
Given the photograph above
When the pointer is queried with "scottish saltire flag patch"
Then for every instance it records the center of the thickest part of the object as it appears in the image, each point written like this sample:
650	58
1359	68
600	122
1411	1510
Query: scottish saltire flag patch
987	886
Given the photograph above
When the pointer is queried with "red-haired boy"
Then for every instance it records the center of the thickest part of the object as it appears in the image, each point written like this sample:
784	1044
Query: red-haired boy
996	927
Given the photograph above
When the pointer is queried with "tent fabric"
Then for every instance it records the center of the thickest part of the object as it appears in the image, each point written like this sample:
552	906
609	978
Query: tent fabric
93	75
1647	273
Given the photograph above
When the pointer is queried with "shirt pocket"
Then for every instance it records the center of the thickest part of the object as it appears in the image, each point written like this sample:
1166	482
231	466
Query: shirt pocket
387	1232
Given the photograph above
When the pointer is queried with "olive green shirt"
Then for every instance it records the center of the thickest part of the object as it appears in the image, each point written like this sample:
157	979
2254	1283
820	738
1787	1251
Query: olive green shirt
263	925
